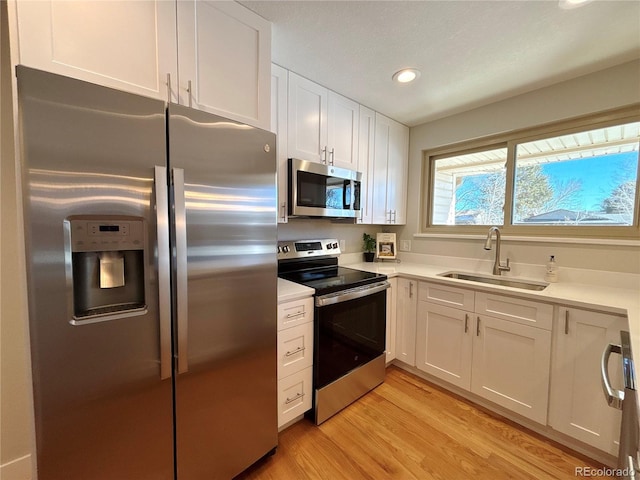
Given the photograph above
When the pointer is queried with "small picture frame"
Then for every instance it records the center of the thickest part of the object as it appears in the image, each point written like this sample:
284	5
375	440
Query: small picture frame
386	246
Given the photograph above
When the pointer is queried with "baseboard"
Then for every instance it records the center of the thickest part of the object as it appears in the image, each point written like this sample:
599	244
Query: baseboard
18	469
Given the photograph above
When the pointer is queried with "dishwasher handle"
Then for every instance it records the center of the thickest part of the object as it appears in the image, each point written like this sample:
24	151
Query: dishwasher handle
614	397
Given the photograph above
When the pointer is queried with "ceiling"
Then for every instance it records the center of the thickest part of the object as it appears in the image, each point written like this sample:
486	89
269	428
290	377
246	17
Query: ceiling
470	53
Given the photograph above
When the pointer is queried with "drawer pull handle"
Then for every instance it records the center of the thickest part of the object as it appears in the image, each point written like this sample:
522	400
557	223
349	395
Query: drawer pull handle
478	328
297	350
466	322
291	400
294	315
566	322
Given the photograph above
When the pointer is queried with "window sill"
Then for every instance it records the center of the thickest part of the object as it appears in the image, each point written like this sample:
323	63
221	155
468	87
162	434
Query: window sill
534	239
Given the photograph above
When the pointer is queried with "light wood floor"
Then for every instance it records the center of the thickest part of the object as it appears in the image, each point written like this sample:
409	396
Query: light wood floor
409	429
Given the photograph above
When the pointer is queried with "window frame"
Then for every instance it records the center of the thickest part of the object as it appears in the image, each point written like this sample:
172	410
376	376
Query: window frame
510	140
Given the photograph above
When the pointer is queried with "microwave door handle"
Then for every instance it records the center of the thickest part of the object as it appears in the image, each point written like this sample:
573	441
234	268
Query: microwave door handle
346	190
164	270
181	268
614	397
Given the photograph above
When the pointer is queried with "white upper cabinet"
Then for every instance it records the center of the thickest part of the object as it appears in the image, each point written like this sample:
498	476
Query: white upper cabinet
224	60
279	82
366	143
128	45
308	103
390	171
217	55
342	141
323	126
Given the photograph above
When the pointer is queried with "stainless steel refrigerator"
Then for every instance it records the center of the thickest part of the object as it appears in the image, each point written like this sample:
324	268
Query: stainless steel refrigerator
151	265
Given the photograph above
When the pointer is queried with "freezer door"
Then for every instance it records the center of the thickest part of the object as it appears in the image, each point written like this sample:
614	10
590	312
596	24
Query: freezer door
225	275
102	409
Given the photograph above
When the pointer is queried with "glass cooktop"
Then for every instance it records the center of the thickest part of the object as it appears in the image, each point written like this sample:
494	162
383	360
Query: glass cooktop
332	279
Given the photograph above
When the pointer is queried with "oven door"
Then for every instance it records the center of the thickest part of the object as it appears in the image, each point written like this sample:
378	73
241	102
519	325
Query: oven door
318	190
350	331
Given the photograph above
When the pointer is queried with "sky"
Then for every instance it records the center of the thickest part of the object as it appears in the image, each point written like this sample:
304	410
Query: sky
598	175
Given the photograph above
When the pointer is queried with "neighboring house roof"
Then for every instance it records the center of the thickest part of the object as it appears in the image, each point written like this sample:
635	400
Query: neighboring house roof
562	216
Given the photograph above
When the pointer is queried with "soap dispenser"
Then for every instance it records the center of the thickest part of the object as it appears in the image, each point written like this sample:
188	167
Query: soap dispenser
551	274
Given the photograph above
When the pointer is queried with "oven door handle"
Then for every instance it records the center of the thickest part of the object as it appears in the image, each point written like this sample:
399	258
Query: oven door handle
351	294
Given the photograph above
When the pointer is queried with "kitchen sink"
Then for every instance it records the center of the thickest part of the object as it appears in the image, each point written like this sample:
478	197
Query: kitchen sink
494	280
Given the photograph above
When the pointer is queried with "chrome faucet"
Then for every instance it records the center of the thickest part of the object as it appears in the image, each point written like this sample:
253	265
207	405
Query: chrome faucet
498	267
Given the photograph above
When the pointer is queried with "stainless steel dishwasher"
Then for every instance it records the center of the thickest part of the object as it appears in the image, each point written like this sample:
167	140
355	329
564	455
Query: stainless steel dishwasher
627	401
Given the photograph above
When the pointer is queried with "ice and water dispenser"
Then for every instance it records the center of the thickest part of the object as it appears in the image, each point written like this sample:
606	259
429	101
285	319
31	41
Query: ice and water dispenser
107	267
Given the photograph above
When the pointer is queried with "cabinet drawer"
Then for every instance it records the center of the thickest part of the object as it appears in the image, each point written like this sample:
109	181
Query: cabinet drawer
295	349
516	310
446	295
294	395
295	313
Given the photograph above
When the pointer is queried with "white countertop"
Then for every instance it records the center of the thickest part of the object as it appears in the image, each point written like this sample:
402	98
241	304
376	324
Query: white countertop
606	299
289	291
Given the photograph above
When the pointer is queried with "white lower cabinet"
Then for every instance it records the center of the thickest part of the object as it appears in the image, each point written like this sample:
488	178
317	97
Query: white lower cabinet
295	359
294	395
504	361
406	311
444	343
510	366
577	405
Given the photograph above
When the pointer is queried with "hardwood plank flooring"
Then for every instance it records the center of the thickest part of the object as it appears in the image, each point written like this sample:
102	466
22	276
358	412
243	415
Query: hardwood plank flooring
409	429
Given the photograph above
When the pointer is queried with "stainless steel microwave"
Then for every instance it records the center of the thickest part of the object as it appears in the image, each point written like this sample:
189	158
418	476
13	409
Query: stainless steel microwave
317	190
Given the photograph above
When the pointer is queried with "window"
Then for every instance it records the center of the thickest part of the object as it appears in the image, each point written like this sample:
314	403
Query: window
469	188
585	178
582	181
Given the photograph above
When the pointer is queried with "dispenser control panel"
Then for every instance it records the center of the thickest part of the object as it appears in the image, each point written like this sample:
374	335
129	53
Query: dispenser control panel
106	235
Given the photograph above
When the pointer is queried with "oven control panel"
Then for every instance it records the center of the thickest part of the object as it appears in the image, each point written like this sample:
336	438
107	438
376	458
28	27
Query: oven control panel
308	248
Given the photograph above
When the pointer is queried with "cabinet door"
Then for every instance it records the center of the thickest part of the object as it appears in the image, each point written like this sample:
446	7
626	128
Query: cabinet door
366	144
390	170
279	83
397	172
406	312
577	404
343	119
224	60
380	214
511	366
307	135
444	343
128	45
391	330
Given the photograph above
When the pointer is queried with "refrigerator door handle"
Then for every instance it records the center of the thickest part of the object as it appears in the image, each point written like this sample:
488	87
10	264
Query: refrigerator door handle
181	268
164	270
614	397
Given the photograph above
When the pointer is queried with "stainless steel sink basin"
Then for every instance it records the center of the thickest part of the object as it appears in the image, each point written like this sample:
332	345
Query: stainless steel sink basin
493	280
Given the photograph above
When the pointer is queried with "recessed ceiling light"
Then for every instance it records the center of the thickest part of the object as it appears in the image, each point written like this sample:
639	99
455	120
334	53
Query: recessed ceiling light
568	4
406	75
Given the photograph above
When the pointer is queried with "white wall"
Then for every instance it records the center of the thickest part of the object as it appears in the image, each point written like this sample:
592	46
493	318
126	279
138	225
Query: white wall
15	390
301	229
603	90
